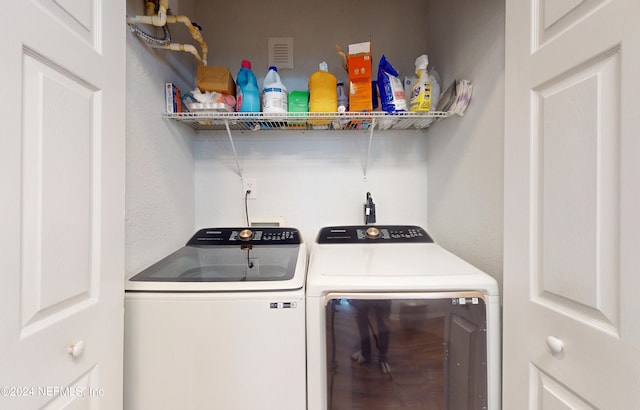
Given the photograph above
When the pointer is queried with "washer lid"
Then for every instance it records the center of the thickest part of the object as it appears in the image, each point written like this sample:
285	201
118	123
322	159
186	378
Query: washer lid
392	258
224	264
229	259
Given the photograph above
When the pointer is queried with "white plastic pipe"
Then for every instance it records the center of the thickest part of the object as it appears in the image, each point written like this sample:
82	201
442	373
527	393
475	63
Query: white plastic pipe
180	47
158	20
195	33
161	19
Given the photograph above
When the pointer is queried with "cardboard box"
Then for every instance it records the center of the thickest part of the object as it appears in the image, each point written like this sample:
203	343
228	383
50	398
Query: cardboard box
214	78
173	98
359	61
359	65
360	96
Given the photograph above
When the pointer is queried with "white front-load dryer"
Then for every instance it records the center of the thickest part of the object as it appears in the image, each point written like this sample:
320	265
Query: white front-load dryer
396	321
219	324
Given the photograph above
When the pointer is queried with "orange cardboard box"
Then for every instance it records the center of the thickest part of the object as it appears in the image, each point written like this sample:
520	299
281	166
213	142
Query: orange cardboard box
359	65
360	96
359	61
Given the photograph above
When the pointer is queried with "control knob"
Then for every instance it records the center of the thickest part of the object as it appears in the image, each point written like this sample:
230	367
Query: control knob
373	232
246	234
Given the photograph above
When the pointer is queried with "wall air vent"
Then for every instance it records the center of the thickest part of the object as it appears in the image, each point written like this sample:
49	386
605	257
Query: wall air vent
281	52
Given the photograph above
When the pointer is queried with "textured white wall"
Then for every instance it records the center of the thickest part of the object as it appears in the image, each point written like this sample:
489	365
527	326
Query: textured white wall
313	179
159	169
465	155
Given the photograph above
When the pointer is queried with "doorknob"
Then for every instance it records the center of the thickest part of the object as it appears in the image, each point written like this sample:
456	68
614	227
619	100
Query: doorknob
555	345
76	349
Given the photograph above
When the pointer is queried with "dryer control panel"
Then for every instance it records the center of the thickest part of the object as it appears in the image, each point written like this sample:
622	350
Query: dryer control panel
248	236
373	234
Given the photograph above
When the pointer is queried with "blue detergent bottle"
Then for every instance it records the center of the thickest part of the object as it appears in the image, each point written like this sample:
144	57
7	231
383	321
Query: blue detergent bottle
247	91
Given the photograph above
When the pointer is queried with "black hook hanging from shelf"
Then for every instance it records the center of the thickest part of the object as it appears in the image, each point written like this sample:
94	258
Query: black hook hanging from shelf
369	210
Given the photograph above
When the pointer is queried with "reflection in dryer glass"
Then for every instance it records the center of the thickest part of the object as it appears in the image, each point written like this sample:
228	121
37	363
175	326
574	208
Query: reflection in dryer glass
406	353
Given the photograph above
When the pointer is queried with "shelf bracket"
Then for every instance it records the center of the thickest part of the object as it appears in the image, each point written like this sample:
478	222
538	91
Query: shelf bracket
366	159
233	147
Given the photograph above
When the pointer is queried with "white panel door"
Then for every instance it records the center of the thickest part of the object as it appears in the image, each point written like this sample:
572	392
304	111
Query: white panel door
572	220
62	206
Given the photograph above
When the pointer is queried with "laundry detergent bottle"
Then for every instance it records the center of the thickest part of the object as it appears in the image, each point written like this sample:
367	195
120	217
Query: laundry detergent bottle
247	91
343	98
421	92
274	93
323	92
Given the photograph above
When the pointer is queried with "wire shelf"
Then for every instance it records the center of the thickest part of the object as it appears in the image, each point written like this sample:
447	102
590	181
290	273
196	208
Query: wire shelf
235	121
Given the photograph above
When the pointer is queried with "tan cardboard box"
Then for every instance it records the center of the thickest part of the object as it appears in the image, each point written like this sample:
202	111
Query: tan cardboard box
215	78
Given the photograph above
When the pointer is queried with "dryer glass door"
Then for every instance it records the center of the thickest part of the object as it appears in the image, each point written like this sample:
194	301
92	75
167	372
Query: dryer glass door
408	350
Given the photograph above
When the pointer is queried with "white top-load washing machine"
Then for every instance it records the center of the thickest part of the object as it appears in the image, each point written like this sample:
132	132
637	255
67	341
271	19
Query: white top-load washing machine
219	324
396	321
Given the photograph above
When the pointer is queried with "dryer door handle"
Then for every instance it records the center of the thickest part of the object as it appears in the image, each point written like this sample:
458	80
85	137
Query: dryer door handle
459	297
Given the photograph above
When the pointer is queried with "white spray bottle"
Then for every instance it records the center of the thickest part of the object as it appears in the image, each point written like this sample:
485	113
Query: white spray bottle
421	92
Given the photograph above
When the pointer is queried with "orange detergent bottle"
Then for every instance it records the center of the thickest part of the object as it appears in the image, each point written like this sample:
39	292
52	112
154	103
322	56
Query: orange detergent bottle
323	94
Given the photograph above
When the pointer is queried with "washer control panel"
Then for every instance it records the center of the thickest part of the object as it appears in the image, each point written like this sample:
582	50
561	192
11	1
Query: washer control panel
373	234
248	236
